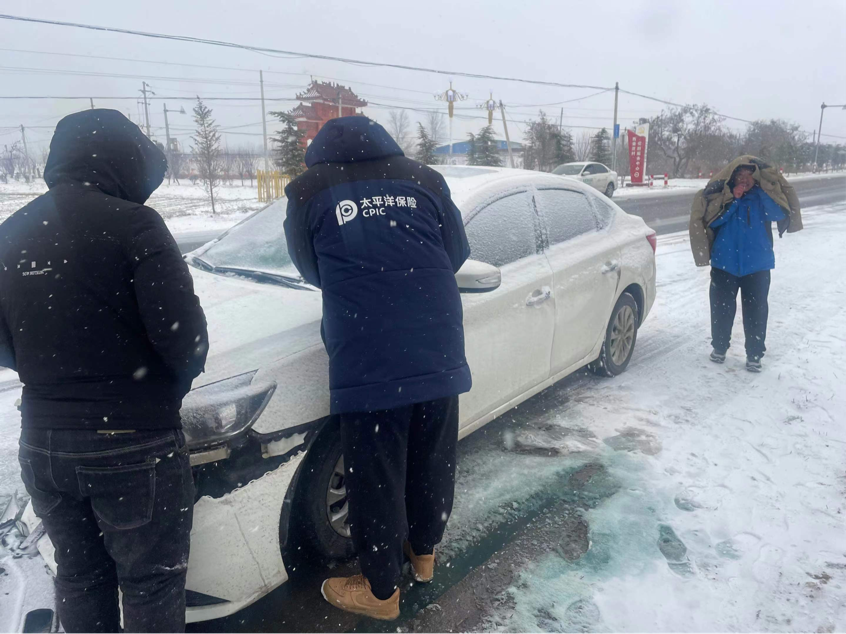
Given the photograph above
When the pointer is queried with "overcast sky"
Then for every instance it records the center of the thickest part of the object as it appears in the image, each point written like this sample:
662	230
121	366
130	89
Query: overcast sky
750	59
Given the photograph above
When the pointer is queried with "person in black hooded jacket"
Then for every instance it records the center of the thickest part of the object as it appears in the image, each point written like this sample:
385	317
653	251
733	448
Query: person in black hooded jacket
380	236
99	318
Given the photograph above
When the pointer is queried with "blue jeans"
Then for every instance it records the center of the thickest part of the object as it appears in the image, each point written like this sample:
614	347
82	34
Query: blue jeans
118	508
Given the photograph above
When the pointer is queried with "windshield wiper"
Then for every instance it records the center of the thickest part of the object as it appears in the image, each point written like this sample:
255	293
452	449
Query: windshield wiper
288	281
201	264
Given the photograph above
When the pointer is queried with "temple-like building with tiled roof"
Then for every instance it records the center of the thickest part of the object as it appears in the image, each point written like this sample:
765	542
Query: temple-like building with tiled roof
324	101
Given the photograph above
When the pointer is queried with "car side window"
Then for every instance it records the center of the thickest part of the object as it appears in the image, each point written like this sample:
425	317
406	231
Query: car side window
568	214
588	171
503	231
605	213
600	169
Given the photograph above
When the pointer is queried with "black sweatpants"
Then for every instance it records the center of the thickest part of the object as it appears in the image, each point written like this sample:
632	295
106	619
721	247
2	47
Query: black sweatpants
754	290
400	480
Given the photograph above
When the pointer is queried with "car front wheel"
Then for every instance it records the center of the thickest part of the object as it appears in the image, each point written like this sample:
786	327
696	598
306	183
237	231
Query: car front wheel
620	338
322	504
609	190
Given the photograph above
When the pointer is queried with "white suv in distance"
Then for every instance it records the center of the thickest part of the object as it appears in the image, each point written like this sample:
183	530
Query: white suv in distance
594	174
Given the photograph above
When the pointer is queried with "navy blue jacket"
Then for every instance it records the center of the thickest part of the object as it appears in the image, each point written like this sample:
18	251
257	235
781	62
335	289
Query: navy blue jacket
380	235
743	243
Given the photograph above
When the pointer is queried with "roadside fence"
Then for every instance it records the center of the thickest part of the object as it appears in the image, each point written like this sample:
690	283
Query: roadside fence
271	185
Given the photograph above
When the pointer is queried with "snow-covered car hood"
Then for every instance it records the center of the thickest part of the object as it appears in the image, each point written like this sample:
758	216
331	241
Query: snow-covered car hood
253	324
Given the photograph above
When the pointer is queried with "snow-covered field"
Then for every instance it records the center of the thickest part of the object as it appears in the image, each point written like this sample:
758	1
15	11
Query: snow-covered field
686	185
730	511
184	207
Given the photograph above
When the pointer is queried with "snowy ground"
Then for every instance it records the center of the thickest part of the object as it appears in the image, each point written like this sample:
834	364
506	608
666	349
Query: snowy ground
185	207
726	509
686	185
721	504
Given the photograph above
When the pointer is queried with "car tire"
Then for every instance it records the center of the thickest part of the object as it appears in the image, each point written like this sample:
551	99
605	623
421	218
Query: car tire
609	190
312	507
620	338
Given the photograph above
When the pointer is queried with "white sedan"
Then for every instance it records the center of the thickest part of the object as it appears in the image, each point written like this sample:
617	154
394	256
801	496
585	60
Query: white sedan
561	278
594	174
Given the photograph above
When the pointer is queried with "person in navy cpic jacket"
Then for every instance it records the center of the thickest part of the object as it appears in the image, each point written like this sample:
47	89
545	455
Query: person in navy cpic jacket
379	234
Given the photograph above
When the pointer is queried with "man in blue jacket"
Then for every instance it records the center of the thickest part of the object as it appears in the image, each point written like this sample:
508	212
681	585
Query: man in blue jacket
741	259
380	236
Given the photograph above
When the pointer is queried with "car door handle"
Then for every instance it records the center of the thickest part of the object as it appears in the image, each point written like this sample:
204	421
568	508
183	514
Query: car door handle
539	296
610	267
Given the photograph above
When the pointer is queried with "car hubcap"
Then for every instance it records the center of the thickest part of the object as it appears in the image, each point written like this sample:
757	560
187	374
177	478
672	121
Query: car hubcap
337	505
622	335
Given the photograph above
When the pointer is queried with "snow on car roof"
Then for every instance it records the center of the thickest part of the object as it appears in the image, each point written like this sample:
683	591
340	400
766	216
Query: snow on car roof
465	181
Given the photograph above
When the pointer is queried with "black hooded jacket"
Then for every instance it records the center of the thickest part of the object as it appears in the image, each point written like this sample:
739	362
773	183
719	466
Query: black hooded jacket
97	307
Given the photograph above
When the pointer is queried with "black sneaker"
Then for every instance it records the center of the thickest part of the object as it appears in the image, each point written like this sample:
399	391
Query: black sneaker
753	364
718	357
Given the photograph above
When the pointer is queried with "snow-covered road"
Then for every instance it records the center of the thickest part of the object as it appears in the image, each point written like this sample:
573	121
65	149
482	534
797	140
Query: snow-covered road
730	513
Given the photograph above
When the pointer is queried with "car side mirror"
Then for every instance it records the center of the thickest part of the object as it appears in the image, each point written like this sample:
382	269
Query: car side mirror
478	277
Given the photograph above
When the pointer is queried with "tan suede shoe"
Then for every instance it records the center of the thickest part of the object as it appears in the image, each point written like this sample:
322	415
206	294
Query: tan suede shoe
353	594
422	566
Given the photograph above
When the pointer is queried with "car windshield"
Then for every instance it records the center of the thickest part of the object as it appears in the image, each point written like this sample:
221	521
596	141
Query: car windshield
569	169
257	244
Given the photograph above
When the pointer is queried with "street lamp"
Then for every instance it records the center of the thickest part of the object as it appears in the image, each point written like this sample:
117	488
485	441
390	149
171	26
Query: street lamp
819	132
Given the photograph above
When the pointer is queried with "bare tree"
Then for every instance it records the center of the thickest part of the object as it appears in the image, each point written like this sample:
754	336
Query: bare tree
436	127
399	127
582	145
207	149
247	163
12	161
681	134
230	164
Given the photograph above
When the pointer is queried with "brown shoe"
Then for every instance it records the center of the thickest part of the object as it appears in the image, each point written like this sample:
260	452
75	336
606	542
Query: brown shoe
353	594
422	566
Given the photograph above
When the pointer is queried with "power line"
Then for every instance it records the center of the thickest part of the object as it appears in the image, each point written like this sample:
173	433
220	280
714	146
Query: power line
172	98
259	49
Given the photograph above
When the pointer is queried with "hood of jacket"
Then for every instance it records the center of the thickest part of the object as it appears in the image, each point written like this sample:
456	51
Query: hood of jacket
721	181
105	149
710	203
349	140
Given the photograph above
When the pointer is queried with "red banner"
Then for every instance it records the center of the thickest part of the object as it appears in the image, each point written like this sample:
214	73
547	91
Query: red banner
637	153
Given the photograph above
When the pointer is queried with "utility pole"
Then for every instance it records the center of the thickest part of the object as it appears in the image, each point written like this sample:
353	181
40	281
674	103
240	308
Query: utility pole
819	133
26	151
167	134
507	138
340	104
144	89
614	129
561	121
263	119
92	102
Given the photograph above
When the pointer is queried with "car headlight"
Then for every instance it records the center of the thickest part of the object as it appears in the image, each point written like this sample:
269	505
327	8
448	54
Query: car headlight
218	412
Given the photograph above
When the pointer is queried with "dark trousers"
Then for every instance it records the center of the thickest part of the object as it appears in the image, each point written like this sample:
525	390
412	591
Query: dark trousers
400	475
754	289
118	508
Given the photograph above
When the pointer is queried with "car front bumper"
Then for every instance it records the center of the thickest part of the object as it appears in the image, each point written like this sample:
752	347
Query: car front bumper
236	555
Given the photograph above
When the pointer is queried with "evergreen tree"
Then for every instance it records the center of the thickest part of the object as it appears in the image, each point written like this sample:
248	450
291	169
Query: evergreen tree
289	153
207	149
483	150
425	147
564	152
471	149
600	150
